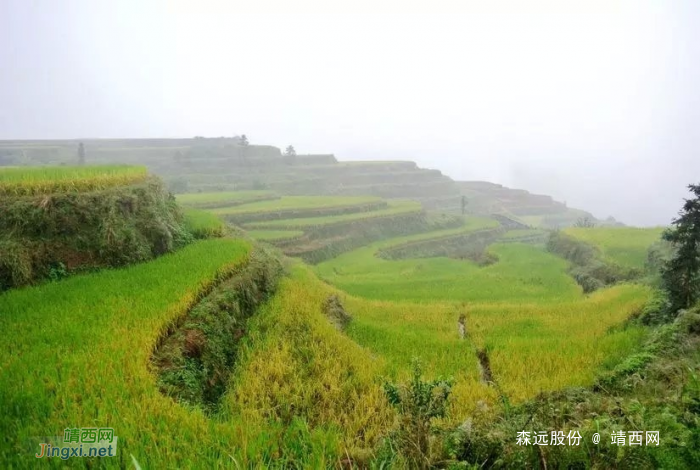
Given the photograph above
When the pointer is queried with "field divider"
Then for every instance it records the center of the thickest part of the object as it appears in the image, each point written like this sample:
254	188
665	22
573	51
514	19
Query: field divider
408	249
196	353
298	213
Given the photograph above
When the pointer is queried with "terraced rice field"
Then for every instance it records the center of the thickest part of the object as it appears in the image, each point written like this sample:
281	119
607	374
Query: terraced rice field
272	235
626	246
395	208
542	333
88	347
25	181
303	394
296	202
224	198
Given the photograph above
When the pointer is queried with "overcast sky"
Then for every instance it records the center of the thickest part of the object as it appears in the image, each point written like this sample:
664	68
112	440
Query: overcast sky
596	103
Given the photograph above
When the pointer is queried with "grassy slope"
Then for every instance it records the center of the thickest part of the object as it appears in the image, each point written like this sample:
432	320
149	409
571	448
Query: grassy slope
296	202
626	246
76	353
395	207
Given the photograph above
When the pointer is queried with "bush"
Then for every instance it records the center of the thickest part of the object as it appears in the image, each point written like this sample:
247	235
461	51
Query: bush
417	402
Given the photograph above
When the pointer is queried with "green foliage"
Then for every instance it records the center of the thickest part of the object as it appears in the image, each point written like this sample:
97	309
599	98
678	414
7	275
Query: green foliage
418	403
112	227
681	275
654	389
584	222
589	269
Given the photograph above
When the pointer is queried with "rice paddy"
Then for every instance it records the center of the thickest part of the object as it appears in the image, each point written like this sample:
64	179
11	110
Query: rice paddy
395	208
302	394
27	181
541	332
272	235
626	246
203	224
223	198
296	202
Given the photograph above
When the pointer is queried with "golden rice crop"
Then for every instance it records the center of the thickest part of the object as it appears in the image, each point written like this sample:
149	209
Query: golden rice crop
27	181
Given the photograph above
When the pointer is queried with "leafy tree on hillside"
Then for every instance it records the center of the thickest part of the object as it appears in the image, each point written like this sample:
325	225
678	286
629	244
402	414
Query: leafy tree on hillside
584	222
681	275
81	154
290	155
244	140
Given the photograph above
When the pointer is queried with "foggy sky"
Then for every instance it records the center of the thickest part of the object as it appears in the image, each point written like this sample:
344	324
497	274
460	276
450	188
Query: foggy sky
593	102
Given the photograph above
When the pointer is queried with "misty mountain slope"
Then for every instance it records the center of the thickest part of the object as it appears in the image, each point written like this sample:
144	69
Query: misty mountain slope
223	164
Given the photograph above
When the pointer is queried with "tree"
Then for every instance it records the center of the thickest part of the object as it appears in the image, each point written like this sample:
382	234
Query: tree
81	154
244	140
584	222
681	275
464	205
290	155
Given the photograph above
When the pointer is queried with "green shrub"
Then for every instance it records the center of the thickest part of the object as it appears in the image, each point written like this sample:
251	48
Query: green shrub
418	403
112	227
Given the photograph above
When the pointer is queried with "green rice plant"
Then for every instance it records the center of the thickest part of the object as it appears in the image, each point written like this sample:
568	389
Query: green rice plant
27	181
395	208
76	353
223	198
541	332
273	235
289	203
626	246
203	224
295	363
522	233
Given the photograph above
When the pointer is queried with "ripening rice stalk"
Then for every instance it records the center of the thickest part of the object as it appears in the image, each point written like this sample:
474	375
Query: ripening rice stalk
28	181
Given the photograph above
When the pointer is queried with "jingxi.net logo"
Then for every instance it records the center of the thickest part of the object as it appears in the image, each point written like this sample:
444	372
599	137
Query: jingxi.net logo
81	442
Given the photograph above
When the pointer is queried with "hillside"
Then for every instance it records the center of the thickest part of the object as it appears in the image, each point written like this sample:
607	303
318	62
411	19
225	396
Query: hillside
222	164
274	345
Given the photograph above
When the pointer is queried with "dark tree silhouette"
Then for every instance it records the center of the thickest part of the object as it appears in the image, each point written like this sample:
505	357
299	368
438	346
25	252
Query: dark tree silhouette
244	140
584	222
681	275
290	152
